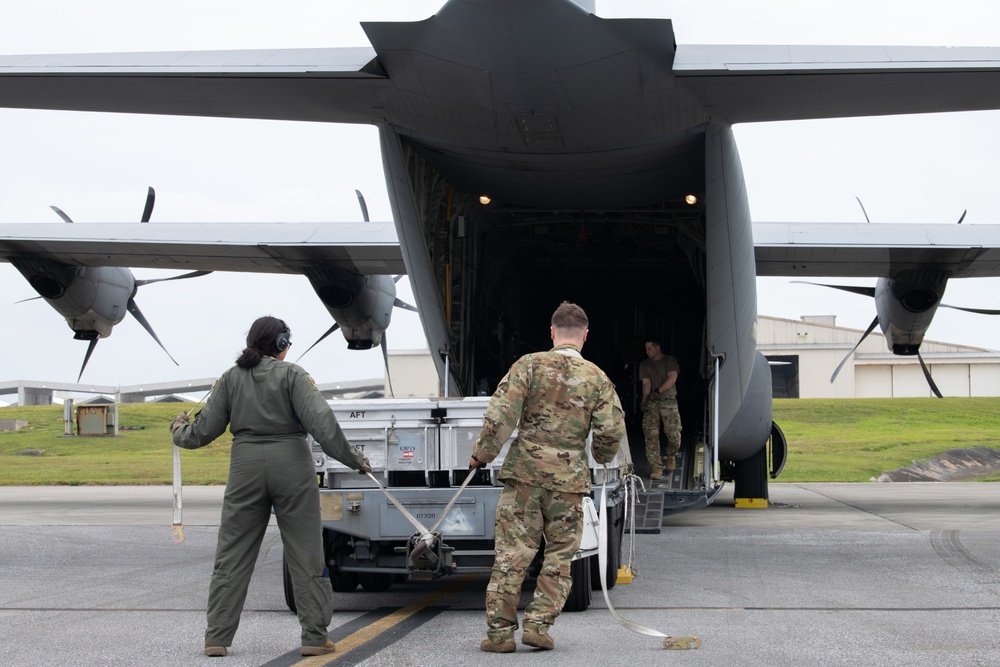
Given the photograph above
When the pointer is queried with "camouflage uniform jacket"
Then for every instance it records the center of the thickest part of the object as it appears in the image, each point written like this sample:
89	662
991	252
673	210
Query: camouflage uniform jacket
275	401
557	396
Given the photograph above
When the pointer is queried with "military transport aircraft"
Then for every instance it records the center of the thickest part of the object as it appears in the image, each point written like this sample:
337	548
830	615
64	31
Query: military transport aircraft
534	152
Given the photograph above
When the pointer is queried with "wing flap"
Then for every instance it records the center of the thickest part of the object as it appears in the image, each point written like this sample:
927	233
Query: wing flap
773	83
870	250
325	85
366	248
347	61
722	59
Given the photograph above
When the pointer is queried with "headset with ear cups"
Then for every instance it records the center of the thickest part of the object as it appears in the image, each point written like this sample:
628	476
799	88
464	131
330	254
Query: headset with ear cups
283	341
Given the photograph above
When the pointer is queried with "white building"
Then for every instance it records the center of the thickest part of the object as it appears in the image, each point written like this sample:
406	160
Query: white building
804	354
412	373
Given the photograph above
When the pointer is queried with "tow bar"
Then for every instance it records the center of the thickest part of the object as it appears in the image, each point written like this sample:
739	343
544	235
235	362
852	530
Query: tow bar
427	556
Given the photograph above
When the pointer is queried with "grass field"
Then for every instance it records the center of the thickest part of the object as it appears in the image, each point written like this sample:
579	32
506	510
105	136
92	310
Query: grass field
855	440
829	441
141	454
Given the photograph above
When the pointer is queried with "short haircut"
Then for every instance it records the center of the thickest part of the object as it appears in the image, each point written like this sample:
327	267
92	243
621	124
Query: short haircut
570	317
655	341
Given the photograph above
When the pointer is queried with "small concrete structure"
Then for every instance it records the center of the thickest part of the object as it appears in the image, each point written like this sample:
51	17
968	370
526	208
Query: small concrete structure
12	424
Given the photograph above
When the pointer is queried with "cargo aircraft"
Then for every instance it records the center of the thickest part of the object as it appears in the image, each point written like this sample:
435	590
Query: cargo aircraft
535	152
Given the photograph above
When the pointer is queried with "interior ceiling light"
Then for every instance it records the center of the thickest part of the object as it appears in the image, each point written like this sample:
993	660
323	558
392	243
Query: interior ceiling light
691	200
484	199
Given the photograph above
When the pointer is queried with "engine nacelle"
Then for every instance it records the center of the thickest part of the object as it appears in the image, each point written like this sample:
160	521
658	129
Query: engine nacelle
361	305
906	305
93	299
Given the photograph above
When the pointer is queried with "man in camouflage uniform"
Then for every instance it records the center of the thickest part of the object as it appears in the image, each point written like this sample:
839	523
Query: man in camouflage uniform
659	404
554	398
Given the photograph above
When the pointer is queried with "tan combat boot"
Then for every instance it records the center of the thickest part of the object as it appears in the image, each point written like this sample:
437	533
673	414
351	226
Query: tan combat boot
328	647
502	646
537	635
671	463
657	473
215	651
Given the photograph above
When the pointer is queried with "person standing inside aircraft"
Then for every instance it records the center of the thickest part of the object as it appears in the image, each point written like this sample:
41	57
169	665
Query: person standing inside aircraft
554	399
659	404
269	406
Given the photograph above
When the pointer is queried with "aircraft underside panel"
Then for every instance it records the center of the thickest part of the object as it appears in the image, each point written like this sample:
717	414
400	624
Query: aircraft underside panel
732	301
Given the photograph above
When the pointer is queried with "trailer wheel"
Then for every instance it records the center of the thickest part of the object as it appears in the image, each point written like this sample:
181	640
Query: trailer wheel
579	594
375	582
286	580
343	582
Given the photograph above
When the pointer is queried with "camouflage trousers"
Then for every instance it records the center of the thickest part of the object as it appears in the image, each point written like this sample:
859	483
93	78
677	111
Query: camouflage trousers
656	411
526	514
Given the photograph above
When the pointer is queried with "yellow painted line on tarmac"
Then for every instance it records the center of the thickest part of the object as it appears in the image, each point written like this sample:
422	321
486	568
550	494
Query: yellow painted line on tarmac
369	632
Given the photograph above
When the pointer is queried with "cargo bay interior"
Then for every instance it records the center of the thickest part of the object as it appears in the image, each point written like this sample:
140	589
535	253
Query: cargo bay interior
638	272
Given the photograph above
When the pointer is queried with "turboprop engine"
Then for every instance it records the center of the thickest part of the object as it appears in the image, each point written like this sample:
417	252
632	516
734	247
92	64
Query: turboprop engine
92	299
905	305
360	305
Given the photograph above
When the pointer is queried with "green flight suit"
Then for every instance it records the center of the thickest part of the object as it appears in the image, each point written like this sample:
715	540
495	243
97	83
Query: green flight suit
269	409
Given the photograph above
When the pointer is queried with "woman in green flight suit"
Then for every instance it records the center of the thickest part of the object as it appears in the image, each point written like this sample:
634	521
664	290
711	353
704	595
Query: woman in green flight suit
269	405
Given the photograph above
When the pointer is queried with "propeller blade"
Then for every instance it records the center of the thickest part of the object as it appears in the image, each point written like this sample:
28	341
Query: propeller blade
963	217
867	219
23	300
328	332
398	303
364	207
193	274
978	311
927	374
385	358
148	211
871	328
61	214
864	291
86	358
137	314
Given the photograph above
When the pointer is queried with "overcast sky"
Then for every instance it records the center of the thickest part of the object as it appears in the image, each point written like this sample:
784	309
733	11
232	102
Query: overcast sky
96	167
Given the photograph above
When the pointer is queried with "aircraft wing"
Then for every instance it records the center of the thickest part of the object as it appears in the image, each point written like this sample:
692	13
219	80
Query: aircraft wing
366	248
879	249
349	85
772	83
281	84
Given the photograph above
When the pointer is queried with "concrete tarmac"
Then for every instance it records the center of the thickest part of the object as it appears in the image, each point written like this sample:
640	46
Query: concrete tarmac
830	574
